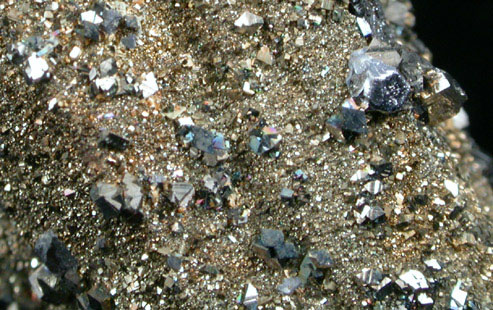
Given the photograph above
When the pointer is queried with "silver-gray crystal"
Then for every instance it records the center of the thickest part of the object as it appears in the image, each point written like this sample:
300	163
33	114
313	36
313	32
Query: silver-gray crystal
376	84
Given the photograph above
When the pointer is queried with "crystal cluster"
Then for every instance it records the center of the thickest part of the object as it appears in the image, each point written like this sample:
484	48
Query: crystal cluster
56	280
217	189
265	141
212	145
103	18
273	249
196	219
385	76
36	50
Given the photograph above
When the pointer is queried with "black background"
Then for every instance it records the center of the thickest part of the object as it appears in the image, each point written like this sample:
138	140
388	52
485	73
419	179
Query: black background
460	36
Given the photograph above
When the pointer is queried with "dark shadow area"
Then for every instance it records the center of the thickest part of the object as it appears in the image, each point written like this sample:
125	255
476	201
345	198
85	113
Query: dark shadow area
459	34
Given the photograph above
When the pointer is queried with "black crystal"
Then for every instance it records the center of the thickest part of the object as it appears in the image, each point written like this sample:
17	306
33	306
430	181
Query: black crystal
113	141
54	254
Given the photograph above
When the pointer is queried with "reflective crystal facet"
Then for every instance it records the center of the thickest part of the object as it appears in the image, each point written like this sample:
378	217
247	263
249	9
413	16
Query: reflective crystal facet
376	83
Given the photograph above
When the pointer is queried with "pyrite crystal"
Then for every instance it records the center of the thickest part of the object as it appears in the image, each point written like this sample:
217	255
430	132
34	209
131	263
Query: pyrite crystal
442	97
234	154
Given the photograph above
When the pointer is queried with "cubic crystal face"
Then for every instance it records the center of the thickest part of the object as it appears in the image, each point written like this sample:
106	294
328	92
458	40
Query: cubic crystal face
443	97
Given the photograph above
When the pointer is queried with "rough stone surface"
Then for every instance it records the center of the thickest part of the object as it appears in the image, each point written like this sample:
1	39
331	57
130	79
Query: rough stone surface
193	67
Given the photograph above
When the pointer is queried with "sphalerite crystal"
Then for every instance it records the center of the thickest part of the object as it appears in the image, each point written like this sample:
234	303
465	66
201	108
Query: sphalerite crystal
108	198
56	280
273	249
54	254
380	86
212	144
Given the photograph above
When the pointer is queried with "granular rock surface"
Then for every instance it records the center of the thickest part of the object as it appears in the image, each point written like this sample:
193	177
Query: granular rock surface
160	131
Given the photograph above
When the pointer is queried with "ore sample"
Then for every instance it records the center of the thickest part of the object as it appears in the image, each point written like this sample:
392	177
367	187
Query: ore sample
53	253
46	154
113	141
442	97
108	198
289	285
377	84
